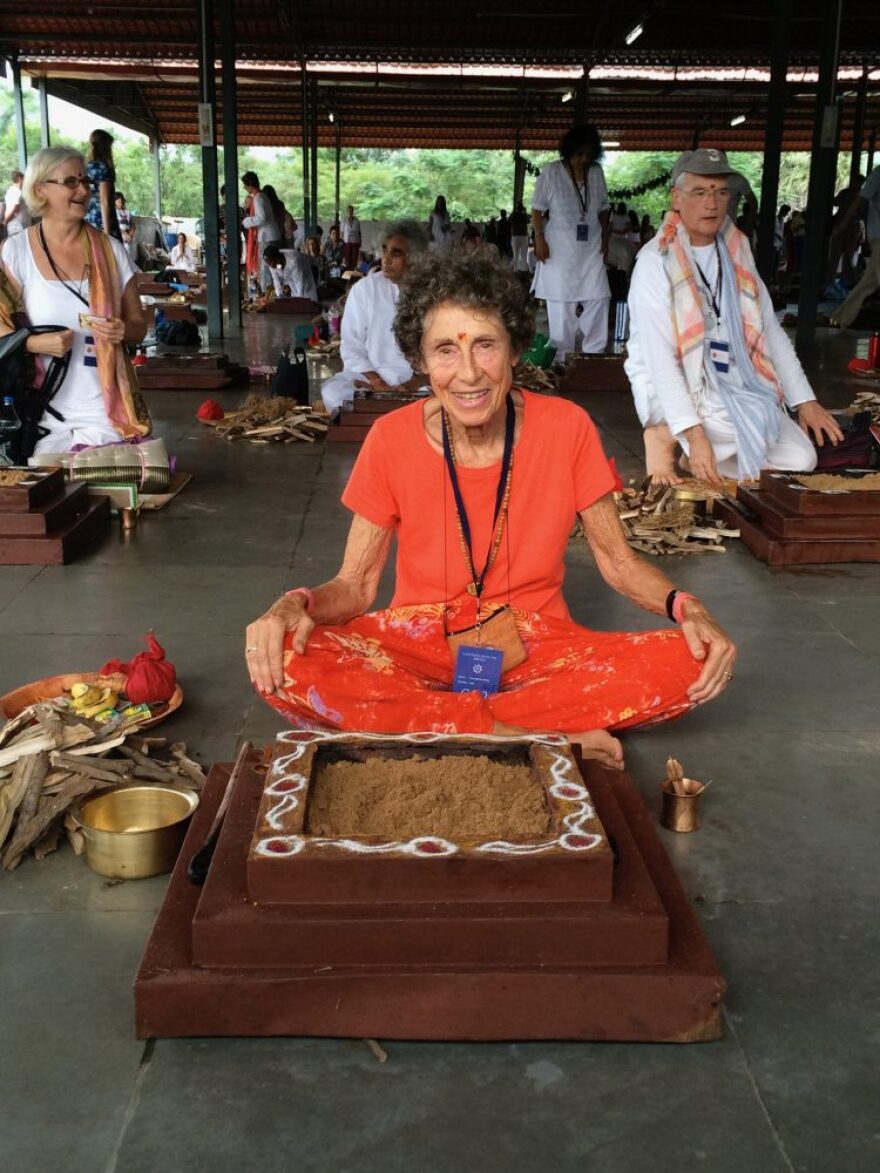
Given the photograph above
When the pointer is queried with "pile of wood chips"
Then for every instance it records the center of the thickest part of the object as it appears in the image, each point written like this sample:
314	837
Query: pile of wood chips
264	419
657	523
51	759
866	401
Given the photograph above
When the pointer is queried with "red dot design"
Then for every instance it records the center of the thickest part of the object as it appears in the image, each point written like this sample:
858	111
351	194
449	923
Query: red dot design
277	846
568	792
429	847
579	841
285	787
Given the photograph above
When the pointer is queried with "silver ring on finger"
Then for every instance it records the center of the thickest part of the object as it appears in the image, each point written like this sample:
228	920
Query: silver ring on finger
250	651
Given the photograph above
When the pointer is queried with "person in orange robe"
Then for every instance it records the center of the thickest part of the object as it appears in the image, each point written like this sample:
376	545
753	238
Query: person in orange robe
325	661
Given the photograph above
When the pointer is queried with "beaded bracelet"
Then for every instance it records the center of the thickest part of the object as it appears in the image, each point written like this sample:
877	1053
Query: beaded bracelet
675	602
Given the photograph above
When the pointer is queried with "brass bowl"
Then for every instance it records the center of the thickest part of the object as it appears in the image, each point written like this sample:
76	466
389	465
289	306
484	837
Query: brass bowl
135	831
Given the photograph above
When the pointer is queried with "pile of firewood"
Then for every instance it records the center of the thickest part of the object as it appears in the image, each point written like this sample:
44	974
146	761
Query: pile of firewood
51	759
657	522
263	419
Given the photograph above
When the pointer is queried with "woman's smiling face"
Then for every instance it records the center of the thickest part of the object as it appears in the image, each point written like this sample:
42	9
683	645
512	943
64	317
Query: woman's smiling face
467	355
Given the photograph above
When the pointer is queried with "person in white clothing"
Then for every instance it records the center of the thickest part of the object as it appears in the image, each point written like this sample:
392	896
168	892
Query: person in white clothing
351	238
292	268
49	269
710	369
182	256
261	218
370	354
440	228
570	216
16	215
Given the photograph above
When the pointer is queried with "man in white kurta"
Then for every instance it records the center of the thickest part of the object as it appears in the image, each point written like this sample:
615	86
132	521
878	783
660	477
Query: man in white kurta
571	217
290	267
369	351
679	401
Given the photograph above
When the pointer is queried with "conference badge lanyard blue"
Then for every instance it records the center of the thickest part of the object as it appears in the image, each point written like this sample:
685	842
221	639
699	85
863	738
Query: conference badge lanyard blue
478	667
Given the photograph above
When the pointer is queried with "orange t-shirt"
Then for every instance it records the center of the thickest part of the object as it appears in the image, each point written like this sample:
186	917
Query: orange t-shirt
400	482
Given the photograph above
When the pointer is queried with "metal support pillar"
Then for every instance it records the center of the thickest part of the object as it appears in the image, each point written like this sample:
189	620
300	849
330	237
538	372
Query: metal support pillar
304	119
44	113
230	162
210	185
313	147
336	219
156	152
774	127
872	143
855	166
823	173
519	170
18	110
582	99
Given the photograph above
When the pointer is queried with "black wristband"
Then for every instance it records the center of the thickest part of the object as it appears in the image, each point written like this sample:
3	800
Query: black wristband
670	603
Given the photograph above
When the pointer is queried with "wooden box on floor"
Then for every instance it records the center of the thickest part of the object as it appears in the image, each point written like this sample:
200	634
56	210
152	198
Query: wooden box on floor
786	523
356	419
195	372
44	521
594	372
615	954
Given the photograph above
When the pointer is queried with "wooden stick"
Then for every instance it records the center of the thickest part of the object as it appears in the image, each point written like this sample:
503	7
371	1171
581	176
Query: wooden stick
78	787
192	770
147	766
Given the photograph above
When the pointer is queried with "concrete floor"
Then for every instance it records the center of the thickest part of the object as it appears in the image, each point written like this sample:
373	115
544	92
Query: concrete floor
784	876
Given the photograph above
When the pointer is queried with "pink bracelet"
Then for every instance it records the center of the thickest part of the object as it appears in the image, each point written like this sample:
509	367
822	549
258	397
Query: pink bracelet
678	603
306	594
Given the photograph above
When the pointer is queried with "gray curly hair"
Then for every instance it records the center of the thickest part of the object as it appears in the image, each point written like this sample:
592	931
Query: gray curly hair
410	230
478	279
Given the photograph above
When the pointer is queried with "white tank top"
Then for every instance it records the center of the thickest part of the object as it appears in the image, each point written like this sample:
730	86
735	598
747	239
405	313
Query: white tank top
48	303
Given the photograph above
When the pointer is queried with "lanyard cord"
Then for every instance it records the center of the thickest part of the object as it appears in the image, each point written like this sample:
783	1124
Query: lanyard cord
502	492
58	273
714	294
582	198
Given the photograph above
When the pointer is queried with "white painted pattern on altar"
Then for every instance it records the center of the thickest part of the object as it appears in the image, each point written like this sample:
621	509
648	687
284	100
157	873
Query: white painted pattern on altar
287	785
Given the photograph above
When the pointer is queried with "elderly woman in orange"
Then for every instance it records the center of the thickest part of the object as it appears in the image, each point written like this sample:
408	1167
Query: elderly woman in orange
480	485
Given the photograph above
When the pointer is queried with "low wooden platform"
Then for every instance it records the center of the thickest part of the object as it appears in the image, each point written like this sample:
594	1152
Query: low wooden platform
785	523
354	423
634	967
196	372
589	372
49	522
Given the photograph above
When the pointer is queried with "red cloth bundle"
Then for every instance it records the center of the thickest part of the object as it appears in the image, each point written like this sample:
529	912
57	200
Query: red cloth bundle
149	676
210	410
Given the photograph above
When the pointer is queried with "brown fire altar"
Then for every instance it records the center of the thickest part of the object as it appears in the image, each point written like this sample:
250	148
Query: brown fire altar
555	914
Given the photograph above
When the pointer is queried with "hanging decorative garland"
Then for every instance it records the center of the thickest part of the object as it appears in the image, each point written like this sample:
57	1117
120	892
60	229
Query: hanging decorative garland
627	193
619	193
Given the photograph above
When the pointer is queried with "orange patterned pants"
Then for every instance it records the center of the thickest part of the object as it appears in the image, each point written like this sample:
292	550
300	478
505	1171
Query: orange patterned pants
390	671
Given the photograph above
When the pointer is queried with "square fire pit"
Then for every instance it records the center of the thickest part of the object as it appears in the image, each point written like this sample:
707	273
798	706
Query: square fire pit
326	828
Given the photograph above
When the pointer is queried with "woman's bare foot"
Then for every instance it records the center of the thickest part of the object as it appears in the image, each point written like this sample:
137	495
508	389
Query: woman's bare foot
599	745
660	445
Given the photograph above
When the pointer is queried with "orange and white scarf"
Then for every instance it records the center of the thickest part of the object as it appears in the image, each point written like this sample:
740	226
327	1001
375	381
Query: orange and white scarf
687	303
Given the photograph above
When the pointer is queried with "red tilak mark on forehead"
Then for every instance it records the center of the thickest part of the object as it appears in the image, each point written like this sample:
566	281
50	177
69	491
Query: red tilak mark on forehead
462	337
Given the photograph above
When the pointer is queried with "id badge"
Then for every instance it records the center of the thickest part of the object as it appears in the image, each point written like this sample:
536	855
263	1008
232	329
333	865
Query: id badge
583	232
477	670
719	353
90	351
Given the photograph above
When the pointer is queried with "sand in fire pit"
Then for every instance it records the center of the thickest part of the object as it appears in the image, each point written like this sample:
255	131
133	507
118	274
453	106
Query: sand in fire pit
823	482
456	797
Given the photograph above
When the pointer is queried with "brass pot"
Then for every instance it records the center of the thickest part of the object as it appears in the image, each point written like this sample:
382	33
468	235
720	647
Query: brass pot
681	812
135	831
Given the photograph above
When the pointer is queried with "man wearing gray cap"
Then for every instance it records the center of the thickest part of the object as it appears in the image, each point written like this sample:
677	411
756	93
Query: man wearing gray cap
711	369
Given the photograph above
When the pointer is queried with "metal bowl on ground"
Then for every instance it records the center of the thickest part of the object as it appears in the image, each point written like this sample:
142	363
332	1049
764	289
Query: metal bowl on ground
135	831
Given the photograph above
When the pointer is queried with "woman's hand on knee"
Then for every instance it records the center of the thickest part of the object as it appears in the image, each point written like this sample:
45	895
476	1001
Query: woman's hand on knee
709	643
264	641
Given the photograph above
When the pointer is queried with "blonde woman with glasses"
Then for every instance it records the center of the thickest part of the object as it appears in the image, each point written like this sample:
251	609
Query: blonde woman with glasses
64	272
